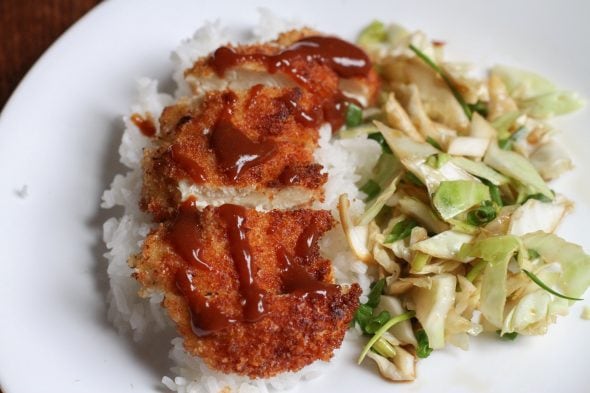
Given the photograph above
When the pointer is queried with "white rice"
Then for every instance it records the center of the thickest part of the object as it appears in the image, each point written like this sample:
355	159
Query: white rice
346	161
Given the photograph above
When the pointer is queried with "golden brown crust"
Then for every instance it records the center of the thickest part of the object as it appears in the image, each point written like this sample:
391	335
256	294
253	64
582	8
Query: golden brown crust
296	332
159	193
263	114
277	118
323	80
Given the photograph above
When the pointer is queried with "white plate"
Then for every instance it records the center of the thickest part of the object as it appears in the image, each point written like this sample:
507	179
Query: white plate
60	131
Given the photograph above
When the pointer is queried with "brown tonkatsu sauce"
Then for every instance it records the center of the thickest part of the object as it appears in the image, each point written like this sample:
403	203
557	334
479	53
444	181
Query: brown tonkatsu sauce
334	110
235	152
145	124
234	217
331	110
311	117
297	281
185	236
307	241
206	318
290	176
346	59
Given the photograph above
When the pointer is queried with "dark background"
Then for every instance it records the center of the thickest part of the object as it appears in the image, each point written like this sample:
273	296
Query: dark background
27	29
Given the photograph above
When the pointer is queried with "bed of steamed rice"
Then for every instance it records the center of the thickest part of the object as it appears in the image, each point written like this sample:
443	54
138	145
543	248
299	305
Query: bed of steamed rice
347	162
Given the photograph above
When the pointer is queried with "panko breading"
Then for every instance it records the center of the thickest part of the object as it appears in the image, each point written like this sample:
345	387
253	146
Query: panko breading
206	144
304	317
249	291
312	74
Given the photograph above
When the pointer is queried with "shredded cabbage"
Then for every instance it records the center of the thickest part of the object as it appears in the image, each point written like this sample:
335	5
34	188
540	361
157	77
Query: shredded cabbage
522	84
574	262
455	197
535	95
517	167
481	170
534	216
497	252
459	221
444	245
552	104
433	305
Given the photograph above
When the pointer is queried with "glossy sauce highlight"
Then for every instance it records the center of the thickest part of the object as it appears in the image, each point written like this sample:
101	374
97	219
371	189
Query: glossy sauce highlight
235	152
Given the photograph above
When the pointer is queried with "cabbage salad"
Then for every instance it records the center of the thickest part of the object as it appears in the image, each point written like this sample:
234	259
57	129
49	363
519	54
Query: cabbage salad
459	221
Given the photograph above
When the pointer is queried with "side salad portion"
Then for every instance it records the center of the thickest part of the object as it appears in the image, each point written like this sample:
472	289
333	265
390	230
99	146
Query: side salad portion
459	222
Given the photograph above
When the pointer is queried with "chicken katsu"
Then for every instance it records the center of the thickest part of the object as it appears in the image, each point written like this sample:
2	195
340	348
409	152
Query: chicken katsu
248	290
251	147
244	281
253	144
321	65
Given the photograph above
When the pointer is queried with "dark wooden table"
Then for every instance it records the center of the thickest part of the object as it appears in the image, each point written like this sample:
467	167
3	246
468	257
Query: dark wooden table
27	29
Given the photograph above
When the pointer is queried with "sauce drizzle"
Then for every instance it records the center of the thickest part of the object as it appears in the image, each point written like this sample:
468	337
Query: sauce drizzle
289	176
145	124
344	58
206	318
297	281
234	217
184	236
307	241
332	110
310	118
235	152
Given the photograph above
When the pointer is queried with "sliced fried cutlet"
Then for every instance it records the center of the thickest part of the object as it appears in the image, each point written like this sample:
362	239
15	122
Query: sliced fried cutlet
253	148
248	291
320	64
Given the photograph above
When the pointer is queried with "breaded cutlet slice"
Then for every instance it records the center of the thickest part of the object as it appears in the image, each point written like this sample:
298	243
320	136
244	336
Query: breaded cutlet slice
252	70
251	148
196	262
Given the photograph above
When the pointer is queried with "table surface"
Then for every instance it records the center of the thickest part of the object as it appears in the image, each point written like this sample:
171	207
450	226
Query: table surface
27	29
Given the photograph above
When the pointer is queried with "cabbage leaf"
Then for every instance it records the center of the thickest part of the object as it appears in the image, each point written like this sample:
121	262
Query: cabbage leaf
433	305
444	245
497	252
517	167
574	262
455	197
481	170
